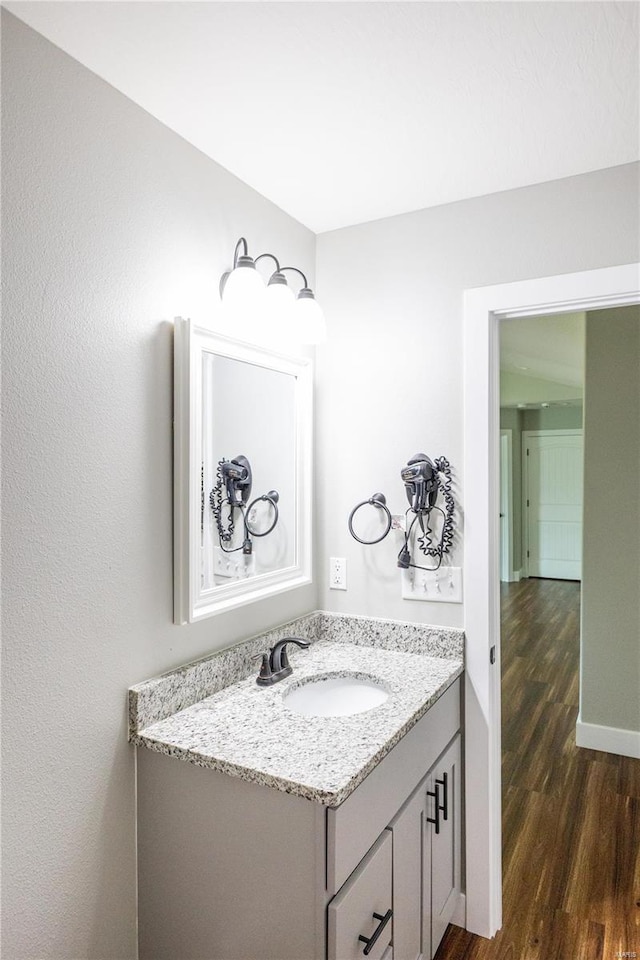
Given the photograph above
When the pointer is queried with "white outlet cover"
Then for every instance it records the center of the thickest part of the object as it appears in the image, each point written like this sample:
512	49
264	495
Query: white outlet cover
337	573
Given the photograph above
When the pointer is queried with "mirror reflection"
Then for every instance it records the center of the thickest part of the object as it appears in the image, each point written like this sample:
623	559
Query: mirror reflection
248	489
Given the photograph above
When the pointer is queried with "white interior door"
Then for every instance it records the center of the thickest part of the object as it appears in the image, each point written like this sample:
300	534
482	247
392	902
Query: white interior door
553	468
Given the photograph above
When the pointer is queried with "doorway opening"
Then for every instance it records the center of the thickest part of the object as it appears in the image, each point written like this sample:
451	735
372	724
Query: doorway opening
571	861
484	309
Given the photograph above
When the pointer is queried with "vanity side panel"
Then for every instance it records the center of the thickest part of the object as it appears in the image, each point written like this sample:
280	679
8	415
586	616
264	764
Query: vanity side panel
354	826
227	870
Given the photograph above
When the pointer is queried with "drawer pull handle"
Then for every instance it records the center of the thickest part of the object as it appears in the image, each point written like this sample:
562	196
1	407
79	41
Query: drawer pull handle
445	806
371	941
437	806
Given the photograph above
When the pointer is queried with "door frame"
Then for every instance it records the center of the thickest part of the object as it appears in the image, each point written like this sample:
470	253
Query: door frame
484	308
506	562
576	431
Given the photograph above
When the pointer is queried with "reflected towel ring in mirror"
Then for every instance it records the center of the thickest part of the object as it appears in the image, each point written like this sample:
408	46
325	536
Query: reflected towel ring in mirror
272	498
377	500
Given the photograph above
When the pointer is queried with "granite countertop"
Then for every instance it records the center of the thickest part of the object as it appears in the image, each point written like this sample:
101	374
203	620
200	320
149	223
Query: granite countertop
248	731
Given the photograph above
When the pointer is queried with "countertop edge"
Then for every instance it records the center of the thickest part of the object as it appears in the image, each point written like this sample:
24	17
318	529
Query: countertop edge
324	797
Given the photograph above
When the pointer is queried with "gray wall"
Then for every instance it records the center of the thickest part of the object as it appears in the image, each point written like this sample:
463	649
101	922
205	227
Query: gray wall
112	225
391	373
610	678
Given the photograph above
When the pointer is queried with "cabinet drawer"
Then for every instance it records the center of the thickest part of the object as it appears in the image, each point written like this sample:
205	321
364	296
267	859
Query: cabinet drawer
354	825
351	912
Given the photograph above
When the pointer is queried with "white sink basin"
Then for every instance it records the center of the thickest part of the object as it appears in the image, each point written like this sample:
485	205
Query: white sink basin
336	696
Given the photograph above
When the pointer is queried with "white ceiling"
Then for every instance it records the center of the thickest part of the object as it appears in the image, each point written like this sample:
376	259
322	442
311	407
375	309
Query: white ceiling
346	112
548	348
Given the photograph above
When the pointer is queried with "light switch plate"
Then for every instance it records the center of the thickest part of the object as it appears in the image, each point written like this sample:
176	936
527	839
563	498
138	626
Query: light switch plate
439	586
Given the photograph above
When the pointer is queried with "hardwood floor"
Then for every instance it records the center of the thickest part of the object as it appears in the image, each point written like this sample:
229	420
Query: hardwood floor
571	817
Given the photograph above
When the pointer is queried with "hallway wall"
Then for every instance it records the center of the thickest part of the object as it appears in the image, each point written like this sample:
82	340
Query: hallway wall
610	668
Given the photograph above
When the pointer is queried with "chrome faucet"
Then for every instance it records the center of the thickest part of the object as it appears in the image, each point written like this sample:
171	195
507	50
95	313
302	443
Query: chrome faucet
275	664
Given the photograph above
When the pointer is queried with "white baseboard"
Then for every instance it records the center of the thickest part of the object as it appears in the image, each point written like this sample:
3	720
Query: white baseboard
513	577
593	736
459	917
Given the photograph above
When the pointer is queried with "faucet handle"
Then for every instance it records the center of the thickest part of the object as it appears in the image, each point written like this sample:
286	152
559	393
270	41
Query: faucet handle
265	676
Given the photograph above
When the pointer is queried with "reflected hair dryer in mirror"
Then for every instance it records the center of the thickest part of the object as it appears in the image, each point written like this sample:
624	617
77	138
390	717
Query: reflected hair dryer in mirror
235	478
236	475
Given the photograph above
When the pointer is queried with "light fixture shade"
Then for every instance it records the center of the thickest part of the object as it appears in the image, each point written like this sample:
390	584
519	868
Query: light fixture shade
310	322
279	293
279	304
244	287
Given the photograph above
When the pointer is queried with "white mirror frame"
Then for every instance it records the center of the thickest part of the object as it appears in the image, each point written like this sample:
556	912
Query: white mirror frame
191	603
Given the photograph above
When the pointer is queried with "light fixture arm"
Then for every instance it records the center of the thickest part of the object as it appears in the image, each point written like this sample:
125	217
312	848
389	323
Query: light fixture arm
237	257
272	257
237	249
282	269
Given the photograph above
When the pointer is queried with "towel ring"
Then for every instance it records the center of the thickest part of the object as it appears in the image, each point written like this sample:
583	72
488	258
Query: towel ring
379	501
272	499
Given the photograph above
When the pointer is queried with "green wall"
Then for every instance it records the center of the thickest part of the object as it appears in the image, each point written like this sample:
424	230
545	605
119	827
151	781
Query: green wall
610	672
552	418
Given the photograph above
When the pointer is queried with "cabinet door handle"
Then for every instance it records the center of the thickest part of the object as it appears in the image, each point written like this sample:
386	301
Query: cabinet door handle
371	941
445	806
437	807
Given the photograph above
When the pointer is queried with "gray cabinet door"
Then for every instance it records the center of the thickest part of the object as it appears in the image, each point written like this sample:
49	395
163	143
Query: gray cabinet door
407	829
445	780
351	912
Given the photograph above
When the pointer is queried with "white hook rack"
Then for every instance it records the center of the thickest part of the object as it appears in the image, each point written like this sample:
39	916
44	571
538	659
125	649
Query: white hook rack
440	586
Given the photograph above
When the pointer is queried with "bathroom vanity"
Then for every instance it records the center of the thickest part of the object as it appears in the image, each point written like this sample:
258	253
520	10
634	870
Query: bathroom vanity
301	837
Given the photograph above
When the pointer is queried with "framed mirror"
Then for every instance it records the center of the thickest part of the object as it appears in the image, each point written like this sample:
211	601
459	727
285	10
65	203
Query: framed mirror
242	473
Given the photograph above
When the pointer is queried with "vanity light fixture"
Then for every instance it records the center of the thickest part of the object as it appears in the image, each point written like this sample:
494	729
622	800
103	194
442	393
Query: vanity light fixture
243	287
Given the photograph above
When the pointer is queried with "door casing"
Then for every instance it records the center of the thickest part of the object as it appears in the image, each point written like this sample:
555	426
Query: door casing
506	506
484	308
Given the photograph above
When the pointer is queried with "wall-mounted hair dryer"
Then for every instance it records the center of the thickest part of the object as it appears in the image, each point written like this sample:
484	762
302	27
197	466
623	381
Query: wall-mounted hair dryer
427	485
421	482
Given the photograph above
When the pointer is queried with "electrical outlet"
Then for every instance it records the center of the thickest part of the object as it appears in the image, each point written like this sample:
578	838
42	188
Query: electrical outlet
439	586
398	521
233	566
337	573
